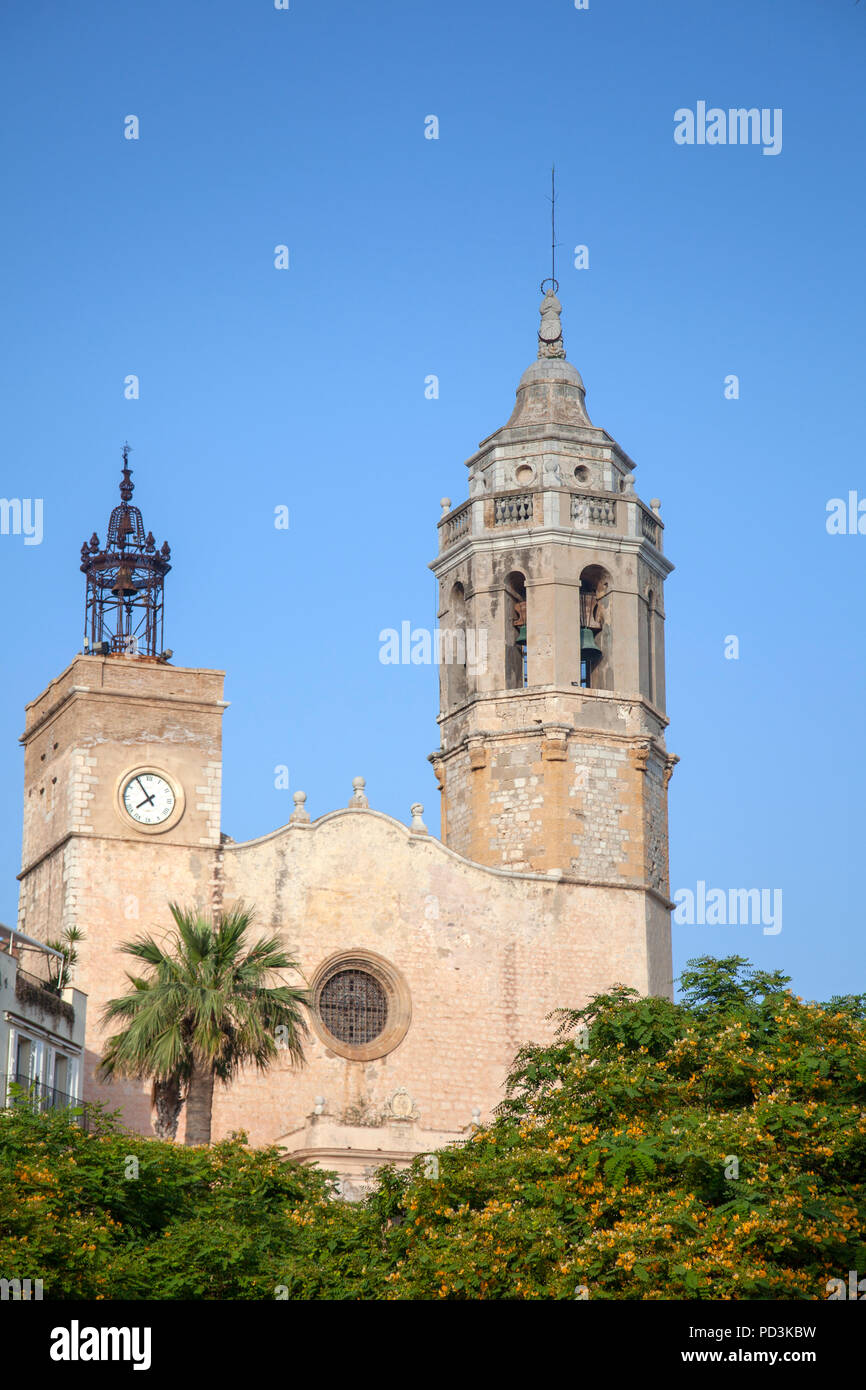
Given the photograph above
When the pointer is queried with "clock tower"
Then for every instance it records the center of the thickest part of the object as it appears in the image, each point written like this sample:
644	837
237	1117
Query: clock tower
121	782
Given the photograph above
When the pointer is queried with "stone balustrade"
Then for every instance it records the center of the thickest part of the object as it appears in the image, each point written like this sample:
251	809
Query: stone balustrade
512	509
650	528
585	510
454	527
593	511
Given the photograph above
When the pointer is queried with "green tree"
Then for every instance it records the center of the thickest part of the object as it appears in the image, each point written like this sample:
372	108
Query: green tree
206	1006
714	985
107	1214
713	1148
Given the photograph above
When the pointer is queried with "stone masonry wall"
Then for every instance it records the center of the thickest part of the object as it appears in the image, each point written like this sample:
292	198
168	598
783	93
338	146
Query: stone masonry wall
485	956
574	803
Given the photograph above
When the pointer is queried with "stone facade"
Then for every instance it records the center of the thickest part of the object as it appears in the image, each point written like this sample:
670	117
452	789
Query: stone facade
550	882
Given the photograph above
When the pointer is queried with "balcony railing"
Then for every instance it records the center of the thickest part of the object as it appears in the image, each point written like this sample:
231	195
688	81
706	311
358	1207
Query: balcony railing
41	1098
457	525
512	509
649	528
518	509
593	511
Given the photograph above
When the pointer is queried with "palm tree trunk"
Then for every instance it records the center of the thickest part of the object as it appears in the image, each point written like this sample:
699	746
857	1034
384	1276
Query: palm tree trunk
199	1105
167	1100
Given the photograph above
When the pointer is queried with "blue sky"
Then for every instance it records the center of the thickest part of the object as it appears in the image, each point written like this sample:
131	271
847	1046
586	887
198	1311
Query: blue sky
409	257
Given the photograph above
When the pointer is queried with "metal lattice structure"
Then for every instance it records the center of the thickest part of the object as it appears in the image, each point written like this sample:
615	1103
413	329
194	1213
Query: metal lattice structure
353	1006
124	604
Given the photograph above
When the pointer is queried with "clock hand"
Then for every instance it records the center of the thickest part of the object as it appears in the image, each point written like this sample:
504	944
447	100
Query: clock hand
146	797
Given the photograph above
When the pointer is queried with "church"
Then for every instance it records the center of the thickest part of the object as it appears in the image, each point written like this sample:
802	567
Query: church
429	961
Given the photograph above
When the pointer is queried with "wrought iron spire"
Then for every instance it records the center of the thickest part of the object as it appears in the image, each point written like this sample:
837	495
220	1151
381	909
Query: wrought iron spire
124	603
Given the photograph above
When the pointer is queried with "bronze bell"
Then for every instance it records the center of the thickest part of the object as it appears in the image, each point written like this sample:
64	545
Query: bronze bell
123	584
590	651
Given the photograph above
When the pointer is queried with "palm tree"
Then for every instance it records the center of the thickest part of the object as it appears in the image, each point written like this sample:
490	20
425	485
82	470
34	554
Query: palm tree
60	971
148	1049
204	1009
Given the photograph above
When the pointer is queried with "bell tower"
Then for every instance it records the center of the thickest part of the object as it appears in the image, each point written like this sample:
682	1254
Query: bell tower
552	710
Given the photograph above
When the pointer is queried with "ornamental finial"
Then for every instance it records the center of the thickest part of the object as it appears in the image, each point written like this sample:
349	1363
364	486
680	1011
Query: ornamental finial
127	486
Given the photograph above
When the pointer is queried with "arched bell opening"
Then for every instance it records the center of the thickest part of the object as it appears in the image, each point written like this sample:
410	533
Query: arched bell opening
650	645
454	648
516	658
596	665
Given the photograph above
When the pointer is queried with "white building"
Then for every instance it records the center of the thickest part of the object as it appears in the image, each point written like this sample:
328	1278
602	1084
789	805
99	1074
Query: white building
41	1028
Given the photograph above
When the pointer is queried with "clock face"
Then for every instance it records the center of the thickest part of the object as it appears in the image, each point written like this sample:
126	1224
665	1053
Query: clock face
148	798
